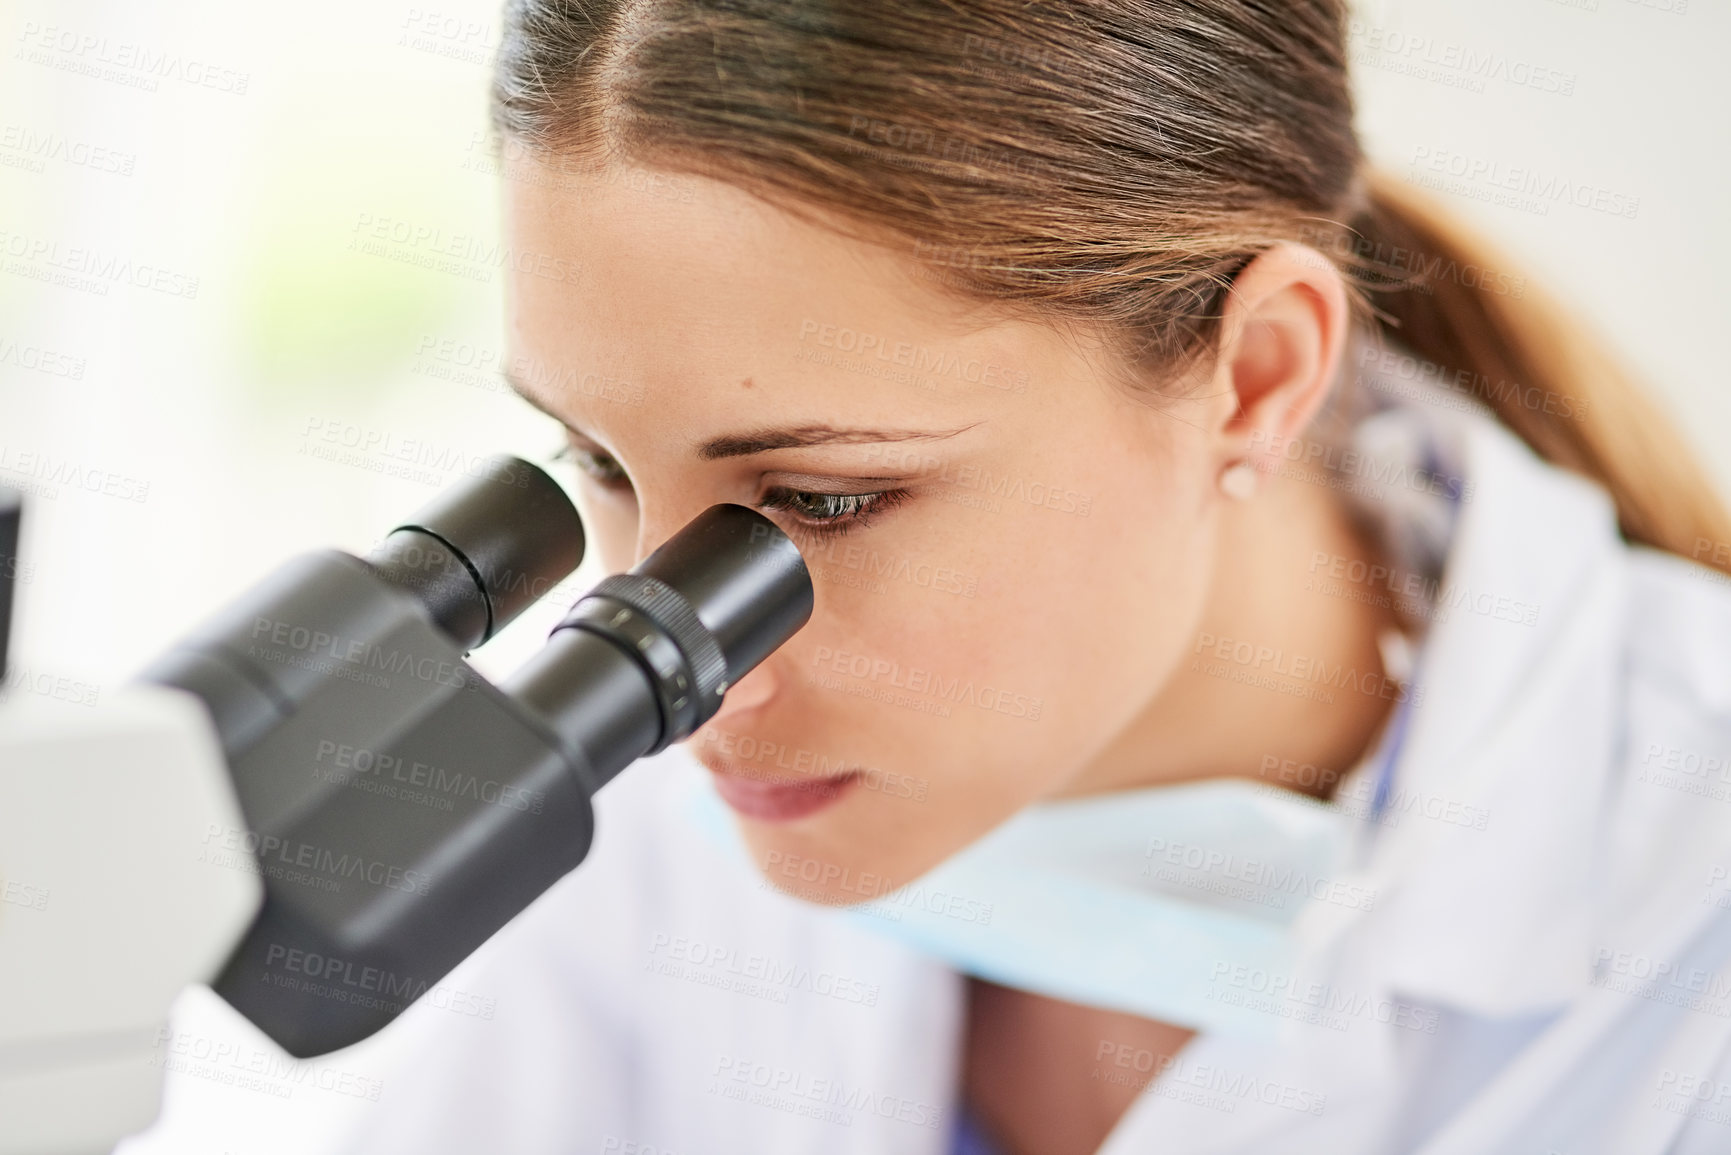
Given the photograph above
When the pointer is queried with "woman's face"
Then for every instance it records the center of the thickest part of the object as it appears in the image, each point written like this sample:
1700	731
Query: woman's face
1010	554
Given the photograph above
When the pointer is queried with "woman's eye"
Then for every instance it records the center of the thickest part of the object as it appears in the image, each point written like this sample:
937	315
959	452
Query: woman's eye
602	468
818	513
832	512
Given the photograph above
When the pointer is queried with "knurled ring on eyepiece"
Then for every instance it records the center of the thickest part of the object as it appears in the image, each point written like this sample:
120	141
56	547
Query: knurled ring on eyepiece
667	608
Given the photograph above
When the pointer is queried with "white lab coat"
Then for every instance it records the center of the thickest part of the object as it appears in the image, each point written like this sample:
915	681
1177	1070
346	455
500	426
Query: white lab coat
1546	968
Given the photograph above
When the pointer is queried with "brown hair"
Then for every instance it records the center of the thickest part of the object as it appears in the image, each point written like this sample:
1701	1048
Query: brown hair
1113	163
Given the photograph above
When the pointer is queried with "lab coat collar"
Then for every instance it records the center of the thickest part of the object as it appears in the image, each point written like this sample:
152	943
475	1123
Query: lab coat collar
1483	865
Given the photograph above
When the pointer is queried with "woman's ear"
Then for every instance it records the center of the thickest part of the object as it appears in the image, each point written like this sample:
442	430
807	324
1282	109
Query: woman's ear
1282	334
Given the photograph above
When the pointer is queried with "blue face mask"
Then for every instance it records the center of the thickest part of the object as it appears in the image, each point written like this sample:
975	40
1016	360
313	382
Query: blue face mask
1174	903
1168	903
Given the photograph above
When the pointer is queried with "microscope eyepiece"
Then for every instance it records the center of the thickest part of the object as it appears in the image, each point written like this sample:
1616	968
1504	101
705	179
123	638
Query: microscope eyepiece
688	621
743	577
484	550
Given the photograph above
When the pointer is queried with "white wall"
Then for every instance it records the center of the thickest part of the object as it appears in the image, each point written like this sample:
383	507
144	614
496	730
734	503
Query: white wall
1620	101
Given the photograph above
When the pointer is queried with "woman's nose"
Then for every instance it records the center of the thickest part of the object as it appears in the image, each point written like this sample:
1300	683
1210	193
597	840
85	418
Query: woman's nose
749	693
656	525
649	539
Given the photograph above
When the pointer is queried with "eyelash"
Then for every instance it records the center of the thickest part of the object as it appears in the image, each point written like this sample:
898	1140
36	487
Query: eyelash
856	510
601	468
835	514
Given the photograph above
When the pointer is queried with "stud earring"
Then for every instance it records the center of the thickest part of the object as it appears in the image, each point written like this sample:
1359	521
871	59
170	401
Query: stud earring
1238	480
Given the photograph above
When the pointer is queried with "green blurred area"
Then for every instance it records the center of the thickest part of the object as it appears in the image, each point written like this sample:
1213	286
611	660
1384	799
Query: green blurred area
399	142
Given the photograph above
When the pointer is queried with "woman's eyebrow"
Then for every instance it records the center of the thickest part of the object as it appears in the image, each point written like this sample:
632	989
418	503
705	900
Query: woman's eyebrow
764	440
525	393
796	437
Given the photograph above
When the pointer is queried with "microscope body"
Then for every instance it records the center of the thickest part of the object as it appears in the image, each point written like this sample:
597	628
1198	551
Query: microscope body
109	905
319	806
399	807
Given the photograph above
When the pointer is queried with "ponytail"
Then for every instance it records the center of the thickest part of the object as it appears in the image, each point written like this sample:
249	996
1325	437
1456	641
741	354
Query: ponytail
1453	301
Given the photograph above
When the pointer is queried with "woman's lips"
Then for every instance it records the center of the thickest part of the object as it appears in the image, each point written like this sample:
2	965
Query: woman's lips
778	799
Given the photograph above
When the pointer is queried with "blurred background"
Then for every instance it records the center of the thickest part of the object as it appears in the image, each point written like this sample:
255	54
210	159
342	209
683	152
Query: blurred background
209	360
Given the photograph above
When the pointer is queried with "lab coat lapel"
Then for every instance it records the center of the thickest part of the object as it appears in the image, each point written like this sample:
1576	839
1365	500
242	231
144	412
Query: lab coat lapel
1516	722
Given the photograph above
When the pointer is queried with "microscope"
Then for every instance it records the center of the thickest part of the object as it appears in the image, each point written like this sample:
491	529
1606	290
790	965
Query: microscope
318	805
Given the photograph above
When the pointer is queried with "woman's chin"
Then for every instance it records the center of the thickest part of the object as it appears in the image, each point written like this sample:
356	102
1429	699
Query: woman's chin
801	863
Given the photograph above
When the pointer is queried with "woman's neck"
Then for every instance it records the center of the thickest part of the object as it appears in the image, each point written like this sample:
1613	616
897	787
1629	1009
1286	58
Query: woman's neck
1054	1078
1285	669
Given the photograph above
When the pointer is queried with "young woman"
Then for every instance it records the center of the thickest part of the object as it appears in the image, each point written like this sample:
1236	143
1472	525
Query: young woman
1257	697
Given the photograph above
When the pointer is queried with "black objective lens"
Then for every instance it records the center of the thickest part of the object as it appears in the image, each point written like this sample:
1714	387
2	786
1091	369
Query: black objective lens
11	517
644	658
